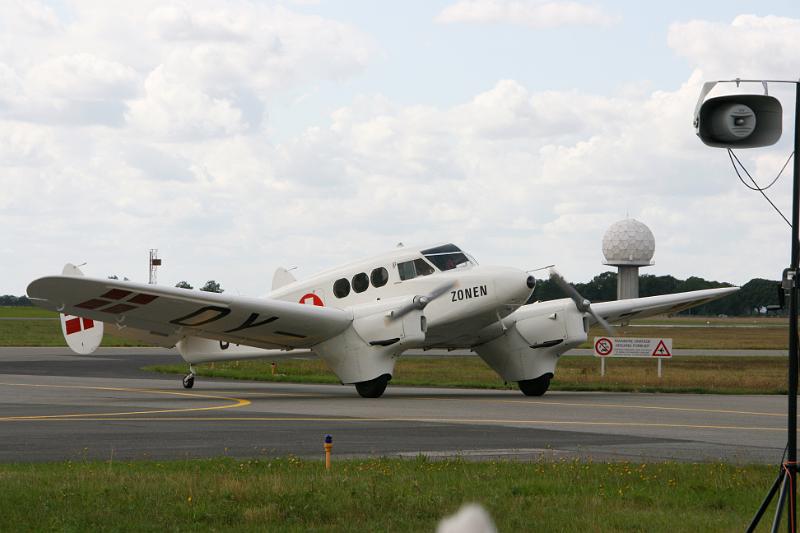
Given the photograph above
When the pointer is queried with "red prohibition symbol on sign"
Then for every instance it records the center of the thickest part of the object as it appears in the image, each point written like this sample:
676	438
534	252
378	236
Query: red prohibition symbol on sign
603	346
311	299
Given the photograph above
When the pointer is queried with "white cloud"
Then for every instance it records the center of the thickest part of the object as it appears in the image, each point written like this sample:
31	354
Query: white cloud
83	77
535	14
186	163
748	47
173	109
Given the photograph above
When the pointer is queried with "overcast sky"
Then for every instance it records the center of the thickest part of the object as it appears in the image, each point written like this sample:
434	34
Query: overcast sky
237	137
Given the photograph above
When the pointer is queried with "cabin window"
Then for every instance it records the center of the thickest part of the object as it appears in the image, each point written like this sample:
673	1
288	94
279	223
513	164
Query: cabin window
447	257
341	288
412	269
379	277
360	282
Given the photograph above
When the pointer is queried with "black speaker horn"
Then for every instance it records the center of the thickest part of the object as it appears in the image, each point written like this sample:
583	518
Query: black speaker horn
740	121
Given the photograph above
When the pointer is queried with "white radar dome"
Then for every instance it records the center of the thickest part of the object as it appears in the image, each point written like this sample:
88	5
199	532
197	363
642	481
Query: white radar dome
628	242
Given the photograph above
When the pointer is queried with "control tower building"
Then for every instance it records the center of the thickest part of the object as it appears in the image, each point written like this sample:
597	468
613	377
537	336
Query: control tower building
628	245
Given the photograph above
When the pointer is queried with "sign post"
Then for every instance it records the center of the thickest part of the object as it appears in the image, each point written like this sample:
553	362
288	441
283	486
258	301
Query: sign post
657	348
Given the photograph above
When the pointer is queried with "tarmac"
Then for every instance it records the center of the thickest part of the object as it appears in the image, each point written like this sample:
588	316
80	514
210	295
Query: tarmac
60	406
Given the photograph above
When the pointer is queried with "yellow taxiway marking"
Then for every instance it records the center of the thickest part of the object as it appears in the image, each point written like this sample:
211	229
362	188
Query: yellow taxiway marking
87	418
609	405
236	402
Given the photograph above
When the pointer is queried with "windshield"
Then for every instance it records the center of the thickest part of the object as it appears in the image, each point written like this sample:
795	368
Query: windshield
447	257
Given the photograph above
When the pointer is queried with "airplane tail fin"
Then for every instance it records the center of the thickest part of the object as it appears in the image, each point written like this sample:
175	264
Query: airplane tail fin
282	278
83	335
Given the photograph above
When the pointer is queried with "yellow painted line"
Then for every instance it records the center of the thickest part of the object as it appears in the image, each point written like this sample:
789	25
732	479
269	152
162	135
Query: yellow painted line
608	405
425	420
235	402
252	394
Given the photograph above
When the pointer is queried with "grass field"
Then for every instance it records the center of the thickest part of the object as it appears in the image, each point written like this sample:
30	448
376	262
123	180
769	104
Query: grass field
721	333
760	375
40	328
377	495
26	312
721	375
766	335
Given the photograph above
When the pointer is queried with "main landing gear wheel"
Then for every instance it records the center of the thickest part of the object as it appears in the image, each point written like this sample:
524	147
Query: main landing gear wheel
535	387
188	379
373	388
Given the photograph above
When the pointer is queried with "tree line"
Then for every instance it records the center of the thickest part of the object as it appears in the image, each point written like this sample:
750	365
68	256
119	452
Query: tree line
751	299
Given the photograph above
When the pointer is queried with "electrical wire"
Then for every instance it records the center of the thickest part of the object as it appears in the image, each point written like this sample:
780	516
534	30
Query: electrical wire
733	156
734	159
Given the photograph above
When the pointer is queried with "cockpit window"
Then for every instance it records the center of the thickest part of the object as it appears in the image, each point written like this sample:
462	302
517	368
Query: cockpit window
412	269
447	257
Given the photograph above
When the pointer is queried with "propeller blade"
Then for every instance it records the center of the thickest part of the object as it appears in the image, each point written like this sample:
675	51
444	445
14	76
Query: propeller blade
419	302
583	305
580	302
603	322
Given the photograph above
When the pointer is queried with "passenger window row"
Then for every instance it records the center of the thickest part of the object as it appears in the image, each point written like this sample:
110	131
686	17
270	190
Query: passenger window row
360	282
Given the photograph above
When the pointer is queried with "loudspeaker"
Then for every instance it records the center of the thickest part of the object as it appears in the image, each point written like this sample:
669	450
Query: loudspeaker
740	121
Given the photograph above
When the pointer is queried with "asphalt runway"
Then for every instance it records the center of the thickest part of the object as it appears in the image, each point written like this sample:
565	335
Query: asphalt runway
60	406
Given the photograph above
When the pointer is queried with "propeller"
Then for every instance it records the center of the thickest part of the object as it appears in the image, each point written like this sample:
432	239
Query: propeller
419	302
583	305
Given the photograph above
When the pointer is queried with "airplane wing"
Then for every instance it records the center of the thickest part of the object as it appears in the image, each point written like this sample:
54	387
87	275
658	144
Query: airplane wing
657	305
169	312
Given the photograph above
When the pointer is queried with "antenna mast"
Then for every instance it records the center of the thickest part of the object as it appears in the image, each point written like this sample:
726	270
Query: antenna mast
153	264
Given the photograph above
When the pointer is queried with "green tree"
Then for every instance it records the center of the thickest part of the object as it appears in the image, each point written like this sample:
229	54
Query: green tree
211	286
183	285
10	299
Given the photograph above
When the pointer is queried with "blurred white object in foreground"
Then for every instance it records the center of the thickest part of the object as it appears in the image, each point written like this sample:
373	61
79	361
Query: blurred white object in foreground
471	518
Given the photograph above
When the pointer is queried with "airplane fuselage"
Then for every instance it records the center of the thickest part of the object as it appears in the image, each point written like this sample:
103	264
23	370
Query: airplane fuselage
480	296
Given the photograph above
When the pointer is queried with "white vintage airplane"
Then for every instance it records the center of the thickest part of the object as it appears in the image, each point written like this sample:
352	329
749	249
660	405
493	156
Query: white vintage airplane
359	317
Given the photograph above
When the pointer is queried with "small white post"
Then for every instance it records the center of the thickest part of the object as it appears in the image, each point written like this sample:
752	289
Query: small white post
659	368
602	367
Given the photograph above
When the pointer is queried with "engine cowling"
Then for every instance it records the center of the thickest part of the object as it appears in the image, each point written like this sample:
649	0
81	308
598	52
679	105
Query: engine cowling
530	347
370	346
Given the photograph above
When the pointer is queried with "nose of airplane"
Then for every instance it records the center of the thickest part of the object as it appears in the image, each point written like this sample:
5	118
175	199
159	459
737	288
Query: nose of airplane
513	286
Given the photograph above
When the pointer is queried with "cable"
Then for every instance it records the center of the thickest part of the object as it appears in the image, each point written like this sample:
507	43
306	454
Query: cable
761	190
791	489
733	156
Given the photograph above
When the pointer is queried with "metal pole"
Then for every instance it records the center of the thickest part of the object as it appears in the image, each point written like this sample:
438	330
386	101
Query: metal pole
789	481
659	368
767	500
793	354
776	521
602	367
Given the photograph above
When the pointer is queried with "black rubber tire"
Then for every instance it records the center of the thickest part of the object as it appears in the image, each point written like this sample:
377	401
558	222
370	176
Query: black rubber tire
535	387
373	388
188	381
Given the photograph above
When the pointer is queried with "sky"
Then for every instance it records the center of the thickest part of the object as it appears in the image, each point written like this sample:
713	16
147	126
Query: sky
238	137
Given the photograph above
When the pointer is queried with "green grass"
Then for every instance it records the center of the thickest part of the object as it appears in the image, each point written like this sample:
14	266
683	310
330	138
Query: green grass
769	335
377	495
719	375
44	332
7	311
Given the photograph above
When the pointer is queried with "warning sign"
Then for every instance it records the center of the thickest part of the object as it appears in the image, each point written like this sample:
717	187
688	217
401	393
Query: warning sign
662	350
603	346
632	347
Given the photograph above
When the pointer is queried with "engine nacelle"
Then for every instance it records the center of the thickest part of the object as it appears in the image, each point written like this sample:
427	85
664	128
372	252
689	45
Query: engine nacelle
370	346
532	345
